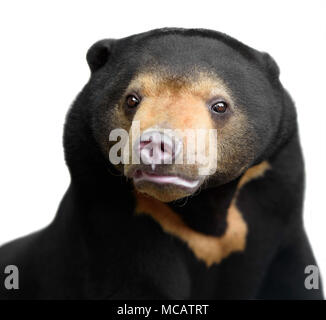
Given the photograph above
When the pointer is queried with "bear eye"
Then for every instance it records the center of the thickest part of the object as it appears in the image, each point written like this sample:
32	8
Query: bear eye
219	107
132	101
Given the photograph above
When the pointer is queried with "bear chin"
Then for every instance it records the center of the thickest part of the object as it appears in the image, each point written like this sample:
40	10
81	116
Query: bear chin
164	193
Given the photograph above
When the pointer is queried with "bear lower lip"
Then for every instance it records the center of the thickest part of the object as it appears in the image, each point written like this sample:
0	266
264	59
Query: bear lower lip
164	179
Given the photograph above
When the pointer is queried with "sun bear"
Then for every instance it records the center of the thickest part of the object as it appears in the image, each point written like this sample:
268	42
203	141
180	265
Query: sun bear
187	179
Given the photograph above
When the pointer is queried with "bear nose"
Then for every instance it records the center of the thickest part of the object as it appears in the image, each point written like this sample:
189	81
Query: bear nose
156	147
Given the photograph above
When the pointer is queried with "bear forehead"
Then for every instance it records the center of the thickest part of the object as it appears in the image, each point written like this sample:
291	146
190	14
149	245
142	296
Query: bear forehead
180	51
201	84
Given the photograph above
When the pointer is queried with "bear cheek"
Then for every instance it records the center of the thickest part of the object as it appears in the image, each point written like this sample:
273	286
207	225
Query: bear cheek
235	148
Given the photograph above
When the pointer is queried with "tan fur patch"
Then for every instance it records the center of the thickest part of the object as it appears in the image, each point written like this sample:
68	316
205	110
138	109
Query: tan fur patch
177	103
254	172
207	248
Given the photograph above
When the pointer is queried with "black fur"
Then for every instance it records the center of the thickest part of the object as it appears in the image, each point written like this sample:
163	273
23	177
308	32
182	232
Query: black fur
97	248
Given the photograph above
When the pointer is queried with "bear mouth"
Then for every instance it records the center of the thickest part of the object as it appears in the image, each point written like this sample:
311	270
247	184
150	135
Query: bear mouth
164	179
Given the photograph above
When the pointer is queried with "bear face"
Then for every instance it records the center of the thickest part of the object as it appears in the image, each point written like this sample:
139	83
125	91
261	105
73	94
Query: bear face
179	80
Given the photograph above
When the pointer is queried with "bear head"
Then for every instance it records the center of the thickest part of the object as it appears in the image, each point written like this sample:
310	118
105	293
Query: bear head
176	111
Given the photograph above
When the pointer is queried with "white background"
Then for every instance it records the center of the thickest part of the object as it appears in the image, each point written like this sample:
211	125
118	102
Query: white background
42	68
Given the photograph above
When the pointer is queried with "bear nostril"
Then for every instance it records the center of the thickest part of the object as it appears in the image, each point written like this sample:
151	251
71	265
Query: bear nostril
168	149
162	147
143	144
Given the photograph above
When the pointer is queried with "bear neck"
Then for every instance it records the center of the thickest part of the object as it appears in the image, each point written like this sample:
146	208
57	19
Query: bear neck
106	199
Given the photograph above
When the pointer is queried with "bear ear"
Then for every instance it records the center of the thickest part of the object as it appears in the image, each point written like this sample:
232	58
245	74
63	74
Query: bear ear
270	66
98	54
